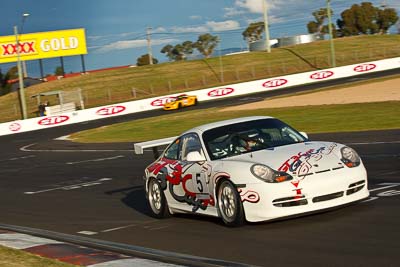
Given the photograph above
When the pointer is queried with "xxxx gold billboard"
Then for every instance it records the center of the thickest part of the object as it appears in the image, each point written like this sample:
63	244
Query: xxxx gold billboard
43	45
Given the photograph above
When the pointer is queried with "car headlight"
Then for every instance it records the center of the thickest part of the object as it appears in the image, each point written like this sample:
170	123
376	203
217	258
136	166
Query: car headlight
269	175
350	157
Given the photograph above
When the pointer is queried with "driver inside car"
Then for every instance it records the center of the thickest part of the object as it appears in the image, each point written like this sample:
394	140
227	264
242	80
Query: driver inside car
254	141
250	144
247	142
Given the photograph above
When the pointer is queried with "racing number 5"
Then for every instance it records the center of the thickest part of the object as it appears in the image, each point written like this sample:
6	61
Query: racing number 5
199	183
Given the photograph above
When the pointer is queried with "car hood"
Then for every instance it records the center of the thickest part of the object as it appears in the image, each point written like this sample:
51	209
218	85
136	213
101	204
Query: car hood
297	159
170	103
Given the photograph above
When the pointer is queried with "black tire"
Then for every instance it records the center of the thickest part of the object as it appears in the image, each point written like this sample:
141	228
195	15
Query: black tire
230	207
157	201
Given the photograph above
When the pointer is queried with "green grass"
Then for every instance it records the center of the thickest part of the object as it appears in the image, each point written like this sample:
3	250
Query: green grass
113	86
17	258
310	119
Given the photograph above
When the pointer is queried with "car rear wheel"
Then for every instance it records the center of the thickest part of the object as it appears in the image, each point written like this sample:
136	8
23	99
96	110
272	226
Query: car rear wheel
230	206
157	200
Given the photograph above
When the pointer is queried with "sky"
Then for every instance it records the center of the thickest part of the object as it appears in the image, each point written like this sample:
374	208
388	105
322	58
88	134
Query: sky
116	29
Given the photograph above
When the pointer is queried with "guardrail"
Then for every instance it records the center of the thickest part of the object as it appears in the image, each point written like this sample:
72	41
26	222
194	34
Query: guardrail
245	88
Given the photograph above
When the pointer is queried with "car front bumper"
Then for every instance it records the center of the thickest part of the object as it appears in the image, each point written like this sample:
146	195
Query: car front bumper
264	201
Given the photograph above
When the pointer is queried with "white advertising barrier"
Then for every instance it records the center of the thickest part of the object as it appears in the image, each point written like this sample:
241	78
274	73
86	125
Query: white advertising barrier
202	95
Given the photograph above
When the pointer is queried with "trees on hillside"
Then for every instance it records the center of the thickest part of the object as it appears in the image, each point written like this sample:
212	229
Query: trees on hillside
205	44
366	19
59	71
386	18
179	51
11	74
362	18
3	82
318	26
145	60
254	31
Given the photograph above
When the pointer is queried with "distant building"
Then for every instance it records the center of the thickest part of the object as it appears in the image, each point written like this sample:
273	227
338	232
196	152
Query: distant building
260	45
299	39
28	81
50	78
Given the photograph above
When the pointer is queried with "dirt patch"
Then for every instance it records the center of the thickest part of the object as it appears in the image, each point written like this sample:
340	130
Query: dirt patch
388	90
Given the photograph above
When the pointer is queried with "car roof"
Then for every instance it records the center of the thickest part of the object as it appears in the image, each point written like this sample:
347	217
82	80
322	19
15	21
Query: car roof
205	127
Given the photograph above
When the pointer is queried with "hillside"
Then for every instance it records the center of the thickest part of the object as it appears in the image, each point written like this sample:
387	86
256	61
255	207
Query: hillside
112	86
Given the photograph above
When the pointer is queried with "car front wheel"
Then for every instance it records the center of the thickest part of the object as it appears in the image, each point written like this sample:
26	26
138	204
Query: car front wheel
157	200
230	206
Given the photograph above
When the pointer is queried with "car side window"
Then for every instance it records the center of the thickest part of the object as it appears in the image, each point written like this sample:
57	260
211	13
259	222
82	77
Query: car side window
190	142
173	150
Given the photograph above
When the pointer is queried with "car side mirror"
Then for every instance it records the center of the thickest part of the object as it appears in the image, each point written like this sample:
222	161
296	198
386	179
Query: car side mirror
304	134
195	156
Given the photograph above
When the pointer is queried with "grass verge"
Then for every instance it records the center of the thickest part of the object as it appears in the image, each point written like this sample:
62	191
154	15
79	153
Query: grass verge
311	119
16	258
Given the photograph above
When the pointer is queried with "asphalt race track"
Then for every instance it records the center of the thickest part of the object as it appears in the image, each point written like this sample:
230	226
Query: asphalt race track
97	191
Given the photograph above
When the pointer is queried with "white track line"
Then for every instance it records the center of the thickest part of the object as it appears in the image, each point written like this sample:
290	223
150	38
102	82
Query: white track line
87	233
370	199
13	159
94	160
375	143
118	228
26	149
69	187
385	187
63	138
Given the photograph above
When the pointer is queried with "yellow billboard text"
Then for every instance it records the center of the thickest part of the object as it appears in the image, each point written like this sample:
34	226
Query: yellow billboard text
43	45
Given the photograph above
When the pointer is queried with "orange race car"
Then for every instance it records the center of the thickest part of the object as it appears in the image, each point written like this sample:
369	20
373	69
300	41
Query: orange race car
181	101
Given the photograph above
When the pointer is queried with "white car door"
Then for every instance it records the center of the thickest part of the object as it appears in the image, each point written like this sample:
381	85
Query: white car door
195	183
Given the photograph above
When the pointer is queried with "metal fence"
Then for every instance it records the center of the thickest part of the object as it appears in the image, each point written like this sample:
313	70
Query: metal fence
216	72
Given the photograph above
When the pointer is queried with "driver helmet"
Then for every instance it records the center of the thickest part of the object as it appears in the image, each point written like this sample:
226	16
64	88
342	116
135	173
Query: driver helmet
250	140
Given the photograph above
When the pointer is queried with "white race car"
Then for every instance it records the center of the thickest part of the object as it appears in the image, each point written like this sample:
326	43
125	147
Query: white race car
250	169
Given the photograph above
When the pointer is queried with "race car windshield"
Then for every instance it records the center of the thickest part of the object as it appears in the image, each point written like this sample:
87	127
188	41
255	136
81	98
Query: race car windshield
235	139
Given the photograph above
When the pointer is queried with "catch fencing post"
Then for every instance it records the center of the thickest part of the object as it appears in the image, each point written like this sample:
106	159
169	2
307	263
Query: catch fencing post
204	80
109	94
237	74
81	98
169	86
253	72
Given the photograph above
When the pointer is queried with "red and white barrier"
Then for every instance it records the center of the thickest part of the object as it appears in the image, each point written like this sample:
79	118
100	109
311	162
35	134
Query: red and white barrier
245	88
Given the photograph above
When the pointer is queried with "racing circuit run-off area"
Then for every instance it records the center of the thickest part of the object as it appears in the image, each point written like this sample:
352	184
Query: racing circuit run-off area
248	144
96	191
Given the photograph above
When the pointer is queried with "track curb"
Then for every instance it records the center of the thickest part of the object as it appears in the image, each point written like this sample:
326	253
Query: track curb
47	242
